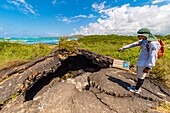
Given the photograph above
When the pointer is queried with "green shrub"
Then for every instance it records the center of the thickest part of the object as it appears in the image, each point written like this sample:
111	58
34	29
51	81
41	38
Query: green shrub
161	70
65	45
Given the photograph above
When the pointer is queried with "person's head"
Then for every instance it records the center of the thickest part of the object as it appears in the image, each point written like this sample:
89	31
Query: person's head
142	37
145	34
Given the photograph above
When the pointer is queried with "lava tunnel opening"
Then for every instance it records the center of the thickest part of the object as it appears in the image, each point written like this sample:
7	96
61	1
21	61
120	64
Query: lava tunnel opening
72	63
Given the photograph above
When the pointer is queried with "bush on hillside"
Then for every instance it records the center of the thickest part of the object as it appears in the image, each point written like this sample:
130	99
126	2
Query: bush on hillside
65	45
162	70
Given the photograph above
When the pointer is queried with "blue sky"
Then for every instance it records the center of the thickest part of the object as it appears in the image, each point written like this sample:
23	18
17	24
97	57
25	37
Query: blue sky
27	18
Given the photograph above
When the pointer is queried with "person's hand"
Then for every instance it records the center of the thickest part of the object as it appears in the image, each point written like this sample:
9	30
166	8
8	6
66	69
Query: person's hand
146	70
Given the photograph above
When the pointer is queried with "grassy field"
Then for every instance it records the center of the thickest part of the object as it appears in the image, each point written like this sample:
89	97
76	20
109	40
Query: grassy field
108	45
15	53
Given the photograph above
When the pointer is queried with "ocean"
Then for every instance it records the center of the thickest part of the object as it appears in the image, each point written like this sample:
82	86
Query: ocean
34	40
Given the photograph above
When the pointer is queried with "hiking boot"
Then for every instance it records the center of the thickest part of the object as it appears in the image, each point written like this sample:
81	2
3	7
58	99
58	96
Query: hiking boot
133	89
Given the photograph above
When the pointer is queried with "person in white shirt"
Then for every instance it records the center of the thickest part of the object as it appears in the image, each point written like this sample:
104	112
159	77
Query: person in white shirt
147	58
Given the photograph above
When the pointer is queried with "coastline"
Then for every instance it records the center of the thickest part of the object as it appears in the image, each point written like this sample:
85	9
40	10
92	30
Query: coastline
33	40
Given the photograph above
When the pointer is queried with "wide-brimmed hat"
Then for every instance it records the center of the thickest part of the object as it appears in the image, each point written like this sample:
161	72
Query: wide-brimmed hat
146	33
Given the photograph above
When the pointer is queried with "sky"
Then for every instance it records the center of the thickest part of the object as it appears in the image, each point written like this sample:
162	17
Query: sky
32	18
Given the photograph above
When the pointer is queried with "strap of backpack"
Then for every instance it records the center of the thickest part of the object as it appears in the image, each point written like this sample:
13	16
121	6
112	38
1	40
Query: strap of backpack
147	45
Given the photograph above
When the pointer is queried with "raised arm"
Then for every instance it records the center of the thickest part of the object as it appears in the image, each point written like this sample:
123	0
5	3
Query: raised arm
138	43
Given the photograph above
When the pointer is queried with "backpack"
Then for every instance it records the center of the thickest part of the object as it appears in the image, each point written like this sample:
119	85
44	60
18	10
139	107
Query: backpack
161	51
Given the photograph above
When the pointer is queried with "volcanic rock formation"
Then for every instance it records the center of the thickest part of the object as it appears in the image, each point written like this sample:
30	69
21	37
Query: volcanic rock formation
76	82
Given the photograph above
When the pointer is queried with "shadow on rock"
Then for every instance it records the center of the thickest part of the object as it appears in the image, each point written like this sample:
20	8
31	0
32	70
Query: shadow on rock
118	81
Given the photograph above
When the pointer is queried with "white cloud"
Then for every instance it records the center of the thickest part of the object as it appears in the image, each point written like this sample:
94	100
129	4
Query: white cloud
73	19
55	2
84	16
126	20
23	6
13	2
98	7
159	1
65	19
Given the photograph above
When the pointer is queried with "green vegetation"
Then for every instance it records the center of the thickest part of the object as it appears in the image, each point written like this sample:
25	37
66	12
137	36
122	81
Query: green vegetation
65	45
15	53
162	108
108	45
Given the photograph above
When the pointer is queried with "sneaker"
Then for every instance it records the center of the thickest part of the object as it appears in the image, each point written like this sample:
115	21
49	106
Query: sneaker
132	89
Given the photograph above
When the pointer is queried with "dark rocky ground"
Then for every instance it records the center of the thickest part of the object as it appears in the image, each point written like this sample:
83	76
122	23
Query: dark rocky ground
90	85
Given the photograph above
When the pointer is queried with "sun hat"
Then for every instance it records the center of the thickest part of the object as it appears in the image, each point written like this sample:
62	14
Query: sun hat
146	33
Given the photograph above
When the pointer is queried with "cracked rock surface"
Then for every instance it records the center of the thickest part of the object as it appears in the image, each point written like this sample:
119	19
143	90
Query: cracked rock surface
99	92
26	74
93	86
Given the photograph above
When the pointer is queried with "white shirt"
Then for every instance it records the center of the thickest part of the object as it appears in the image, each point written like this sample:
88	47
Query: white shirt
146	58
